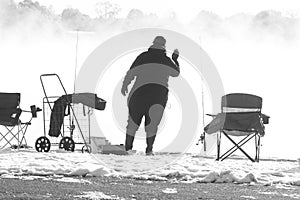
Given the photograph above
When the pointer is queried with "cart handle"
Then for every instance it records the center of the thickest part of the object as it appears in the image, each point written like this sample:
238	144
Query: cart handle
43	86
43	75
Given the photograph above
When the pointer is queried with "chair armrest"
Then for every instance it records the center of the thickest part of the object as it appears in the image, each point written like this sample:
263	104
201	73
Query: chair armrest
34	110
265	118
211	115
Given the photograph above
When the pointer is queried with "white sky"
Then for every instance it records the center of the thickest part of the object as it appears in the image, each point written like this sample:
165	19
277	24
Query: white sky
185	10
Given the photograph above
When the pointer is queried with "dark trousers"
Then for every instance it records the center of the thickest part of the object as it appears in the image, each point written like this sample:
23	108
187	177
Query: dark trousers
148	101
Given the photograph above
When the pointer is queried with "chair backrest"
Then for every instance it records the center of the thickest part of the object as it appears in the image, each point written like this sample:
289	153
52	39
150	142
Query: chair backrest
241	102
9	100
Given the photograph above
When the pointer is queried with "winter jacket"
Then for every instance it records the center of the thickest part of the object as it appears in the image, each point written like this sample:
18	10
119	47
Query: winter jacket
151	67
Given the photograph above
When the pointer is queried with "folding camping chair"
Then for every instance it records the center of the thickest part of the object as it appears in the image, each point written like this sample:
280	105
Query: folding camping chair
240	116
10	112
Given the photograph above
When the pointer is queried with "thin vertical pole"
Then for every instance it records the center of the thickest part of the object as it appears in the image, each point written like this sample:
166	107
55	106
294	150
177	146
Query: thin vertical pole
76	55
202	98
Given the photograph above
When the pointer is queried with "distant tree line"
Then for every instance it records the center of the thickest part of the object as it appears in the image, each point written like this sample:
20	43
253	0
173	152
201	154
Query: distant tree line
70	18
107	16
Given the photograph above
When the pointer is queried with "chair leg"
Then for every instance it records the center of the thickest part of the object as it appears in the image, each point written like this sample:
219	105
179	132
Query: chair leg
234	148
9	131
18	135
257	146
8	141
22	128
4	138
239	147
25	126
218	145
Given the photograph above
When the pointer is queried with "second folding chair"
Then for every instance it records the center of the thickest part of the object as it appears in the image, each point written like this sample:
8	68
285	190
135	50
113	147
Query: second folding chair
240	117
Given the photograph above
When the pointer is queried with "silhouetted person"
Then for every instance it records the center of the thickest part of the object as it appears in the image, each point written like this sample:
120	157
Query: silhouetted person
149	94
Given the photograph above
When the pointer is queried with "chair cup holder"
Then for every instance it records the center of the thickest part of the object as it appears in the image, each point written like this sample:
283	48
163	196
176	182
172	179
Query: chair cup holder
34	110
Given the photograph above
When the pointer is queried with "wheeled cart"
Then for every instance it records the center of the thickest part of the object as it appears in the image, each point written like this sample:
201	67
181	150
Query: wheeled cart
67	119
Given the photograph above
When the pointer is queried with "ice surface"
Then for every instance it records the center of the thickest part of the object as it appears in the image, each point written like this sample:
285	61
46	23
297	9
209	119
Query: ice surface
172	167
170	190
96	195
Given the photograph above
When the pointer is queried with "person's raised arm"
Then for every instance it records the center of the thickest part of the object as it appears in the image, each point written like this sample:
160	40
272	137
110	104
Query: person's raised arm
175	64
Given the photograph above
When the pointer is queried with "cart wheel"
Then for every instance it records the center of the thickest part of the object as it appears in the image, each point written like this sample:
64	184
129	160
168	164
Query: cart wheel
67	143
86	149
42	144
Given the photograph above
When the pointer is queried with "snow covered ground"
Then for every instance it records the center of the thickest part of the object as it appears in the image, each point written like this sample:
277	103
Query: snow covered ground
70	167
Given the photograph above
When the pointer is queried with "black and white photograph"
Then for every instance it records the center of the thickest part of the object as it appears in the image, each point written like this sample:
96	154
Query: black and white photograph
149	100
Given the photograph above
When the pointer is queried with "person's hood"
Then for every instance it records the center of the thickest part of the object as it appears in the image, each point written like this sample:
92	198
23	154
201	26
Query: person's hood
157	48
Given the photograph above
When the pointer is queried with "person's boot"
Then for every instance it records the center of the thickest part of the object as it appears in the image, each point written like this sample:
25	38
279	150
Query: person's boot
128	142
150	141
150	153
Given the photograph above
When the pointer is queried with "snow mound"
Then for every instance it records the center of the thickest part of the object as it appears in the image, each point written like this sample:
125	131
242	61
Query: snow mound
174	168
227	177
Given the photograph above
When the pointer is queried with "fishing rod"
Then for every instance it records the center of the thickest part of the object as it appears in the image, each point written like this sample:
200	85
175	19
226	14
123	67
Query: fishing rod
76	56
202	136
75	73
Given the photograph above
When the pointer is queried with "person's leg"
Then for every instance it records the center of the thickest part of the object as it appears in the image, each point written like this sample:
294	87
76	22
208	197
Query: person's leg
152	120
158	100
136	113
150	141
131	129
